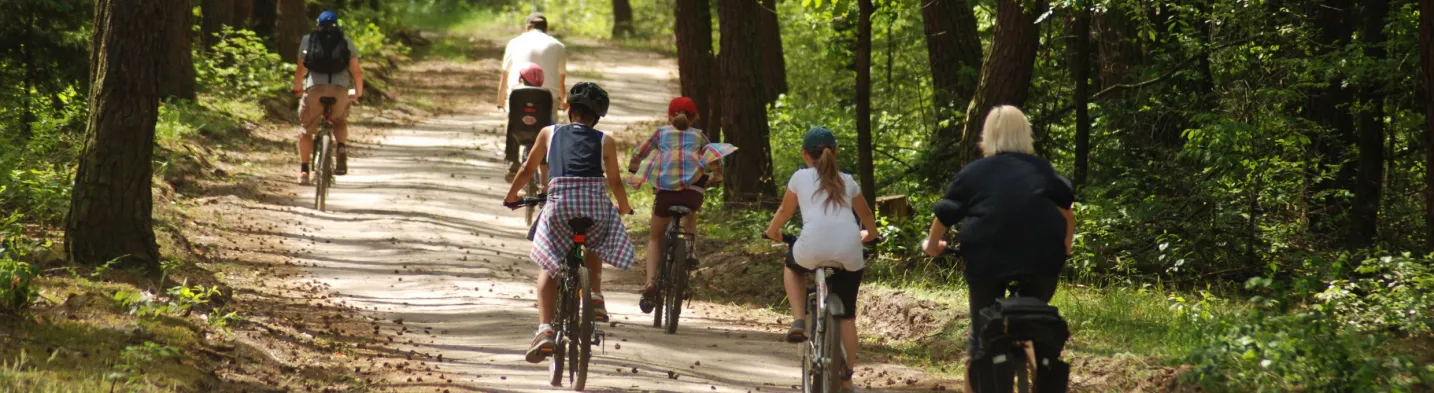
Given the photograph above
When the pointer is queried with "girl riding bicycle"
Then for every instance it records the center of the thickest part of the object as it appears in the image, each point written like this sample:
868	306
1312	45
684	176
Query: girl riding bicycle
1016	222
830	233
579	157
678	173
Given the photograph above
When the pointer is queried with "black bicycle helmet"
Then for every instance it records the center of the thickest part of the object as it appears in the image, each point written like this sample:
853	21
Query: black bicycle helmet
589	95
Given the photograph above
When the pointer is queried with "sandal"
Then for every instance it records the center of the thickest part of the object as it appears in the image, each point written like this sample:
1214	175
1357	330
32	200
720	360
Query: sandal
798	332
649	299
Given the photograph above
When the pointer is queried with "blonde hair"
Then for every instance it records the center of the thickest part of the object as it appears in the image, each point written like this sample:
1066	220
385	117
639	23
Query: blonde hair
1006	131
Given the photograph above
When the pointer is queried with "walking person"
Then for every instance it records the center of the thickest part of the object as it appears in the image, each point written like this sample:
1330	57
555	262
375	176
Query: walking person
534	46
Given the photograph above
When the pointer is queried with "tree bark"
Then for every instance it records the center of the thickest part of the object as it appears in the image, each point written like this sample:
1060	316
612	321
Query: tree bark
177	77
744	114
1334	133
216	14
1370	175
621	18
266	19
1006	73
1080	71
243	14
110	208
1426	54
1119	48
696	67
293	23
865	163
774	62
953	48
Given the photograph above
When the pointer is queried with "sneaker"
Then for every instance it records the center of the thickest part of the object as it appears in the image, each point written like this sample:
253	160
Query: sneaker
599	308
649	299
798	332
512	173
342	167
303	178
543	346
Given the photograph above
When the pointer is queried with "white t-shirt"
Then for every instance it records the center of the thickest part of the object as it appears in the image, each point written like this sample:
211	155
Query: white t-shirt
829	234
536	47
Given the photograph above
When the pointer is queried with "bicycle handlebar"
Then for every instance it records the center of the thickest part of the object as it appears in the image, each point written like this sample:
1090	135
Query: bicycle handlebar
527	201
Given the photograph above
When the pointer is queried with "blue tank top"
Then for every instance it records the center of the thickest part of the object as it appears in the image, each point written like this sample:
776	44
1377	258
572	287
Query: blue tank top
575	150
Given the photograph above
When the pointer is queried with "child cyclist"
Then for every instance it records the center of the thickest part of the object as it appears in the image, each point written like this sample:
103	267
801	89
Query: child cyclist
678	173
579	157
830	233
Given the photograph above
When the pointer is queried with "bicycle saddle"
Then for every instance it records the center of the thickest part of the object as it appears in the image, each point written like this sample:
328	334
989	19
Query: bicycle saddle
580	224
680	210
328	100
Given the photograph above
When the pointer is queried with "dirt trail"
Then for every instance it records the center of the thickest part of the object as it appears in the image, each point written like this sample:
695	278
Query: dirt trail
417	237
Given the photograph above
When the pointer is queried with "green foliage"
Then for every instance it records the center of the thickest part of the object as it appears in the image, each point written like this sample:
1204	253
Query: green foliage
17	291
1392	293
371	41
180	300
240	67
135	358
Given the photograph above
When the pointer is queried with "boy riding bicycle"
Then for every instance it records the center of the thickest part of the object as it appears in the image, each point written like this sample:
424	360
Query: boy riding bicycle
678	173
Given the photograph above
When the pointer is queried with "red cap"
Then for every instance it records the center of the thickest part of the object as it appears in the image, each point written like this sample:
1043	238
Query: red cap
681	104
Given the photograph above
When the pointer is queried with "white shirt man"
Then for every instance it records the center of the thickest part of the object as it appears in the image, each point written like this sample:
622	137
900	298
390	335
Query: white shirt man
536	46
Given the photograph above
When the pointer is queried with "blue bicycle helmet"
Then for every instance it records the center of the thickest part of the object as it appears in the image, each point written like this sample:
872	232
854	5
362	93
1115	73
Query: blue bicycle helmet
328	18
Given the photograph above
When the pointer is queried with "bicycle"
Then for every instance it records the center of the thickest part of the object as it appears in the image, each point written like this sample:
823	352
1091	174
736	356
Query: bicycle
672	280
530	212
323	157
824	358
1010	359
530	109
575	323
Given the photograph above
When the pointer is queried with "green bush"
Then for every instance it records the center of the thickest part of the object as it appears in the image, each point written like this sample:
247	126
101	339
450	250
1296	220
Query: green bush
16	291
1396	293
371	41
240	67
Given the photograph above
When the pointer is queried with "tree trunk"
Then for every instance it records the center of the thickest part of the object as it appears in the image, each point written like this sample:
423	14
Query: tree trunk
1426	53
621	18
1370	174
292	25
953	47
1119	47
266	19
1006	74
774	62
696	66
110	209
243	14
863	101
216	14
177	77
1080	71
1334	133
744	114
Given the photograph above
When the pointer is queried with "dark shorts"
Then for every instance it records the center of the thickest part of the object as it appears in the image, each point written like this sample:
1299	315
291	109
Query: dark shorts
843	283
984	293
691	199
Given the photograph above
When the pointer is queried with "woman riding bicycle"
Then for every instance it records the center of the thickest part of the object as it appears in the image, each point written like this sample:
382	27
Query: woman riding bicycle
678	172
1016	222
579	157
830	233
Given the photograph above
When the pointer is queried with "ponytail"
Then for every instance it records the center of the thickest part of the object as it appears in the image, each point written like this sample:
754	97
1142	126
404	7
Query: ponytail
681	121
829	177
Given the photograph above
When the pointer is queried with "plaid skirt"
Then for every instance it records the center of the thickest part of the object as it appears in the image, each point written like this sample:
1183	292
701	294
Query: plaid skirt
572	197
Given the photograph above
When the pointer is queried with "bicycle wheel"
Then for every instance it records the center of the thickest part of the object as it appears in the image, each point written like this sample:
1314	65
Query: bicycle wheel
564	309
584	332
662	280
832	351
319	149
677	281
328	175
530	212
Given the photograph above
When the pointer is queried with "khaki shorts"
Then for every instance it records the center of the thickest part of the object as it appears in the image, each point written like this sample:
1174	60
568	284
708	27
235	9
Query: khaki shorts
311	111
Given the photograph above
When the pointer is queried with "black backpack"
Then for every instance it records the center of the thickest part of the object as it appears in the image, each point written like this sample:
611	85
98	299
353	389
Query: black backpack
328	51
1018	319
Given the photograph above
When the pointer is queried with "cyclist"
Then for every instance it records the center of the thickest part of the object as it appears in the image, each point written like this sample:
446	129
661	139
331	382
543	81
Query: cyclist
1015	215
581	156
679	175
537	47
830	233
329	68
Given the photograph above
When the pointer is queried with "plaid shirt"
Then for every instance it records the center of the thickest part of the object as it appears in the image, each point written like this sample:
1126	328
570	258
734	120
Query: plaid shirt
572	197
678	162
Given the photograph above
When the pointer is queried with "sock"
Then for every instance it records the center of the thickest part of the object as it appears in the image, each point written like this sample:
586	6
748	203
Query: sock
304	168
545	327
342	146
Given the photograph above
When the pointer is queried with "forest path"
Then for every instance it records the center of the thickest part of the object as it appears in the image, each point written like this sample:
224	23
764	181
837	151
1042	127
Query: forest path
416	237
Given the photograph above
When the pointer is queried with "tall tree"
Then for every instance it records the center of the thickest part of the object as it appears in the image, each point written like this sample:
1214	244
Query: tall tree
621	18
1006	73
1426	53
243	14
1328	108
178	71
293	23
266	19
744	114
863	100
110	208
696	66
774	62
216	14
953	48
1080	71
1370	176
